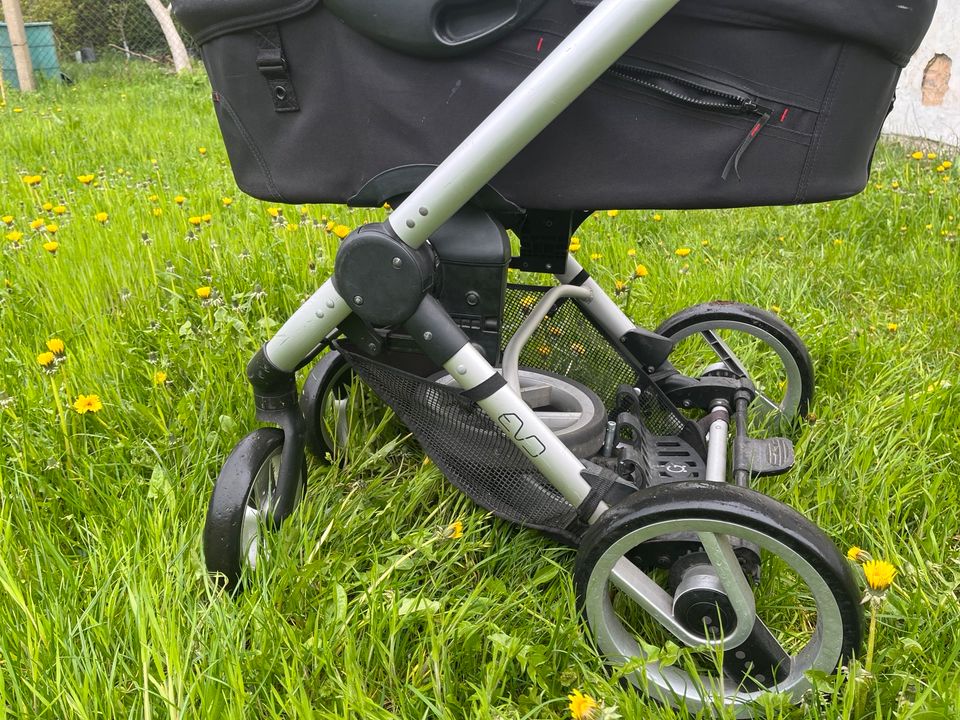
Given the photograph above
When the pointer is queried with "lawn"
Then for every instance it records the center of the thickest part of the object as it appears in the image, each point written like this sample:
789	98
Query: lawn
369	607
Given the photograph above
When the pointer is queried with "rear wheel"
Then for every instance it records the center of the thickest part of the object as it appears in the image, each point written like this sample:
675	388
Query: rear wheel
746	341
807	605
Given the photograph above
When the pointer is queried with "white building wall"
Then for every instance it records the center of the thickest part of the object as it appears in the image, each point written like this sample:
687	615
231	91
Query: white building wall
910	116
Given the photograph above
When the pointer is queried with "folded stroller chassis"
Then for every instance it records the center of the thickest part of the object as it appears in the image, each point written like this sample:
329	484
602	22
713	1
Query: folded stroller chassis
639	485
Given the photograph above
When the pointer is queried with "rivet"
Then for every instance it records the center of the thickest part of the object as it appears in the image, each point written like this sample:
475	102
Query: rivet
472	298
424	211
372	347
319	314
411	224
358	300
330	303
428	336
462	369
397	263
549	266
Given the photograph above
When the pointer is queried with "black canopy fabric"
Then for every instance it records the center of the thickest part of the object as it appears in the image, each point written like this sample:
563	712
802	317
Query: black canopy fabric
894	26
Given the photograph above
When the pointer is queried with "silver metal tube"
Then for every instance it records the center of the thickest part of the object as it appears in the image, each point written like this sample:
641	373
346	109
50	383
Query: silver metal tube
717	449
602	309
307	327
511	354
603	36
527	431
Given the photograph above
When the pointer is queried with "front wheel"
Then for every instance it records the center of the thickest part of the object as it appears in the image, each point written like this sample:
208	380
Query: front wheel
807	613
748	342
240	513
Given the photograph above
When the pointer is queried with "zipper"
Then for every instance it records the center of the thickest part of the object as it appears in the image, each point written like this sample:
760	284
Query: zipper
704	97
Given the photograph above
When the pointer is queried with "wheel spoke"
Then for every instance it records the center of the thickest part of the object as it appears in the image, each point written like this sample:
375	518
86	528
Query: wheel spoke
734	584
724	352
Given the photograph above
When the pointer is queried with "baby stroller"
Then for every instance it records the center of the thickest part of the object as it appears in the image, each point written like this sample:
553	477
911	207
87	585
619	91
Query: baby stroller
547	405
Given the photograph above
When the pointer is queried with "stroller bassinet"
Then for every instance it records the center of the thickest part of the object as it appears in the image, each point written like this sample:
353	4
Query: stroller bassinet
724	103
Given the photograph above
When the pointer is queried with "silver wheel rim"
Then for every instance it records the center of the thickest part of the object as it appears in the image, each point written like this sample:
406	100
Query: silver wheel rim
676	687
257	511
771	404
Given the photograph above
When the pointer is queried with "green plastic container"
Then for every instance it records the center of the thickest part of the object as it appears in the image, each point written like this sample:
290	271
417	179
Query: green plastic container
43	53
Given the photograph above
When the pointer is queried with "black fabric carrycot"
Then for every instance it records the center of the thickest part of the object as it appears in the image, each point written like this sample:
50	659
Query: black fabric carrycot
724	103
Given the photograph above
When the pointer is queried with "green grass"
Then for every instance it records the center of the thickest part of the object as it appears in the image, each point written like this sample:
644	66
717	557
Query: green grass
105	610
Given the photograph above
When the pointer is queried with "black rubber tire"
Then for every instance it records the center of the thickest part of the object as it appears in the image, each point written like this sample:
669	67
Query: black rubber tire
223	549
721	313
733	504
331	374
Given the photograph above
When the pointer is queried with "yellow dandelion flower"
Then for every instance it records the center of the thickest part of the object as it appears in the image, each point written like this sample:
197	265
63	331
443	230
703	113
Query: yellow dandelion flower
917	155
51	228
544	350
18	109
32	180
159	377
838	241
202	150
7	219
273	212
682	251
947	164
657	217
36	224
56	346
51	247
574	244
528	301
101	217
204	292
59	209
341	231
291	227
454	530
775	308
153	198
895	184
179	199
641	270
14	235
892	327
631	252
879	574
931	156
157	212
330	225
206	217
612	213
85	179
194	220
578	348
87	403
619	286
48	206
582	707
596	256
940	168
857	554
227	201
46	359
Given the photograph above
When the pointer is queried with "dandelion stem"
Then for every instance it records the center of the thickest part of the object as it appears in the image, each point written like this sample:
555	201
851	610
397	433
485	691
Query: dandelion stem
871	637
63	419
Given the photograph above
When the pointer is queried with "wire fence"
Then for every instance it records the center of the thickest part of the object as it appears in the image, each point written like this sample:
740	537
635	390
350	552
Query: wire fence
62	33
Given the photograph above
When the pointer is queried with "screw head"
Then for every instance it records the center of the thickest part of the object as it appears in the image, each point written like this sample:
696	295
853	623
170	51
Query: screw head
428	336
358	300
461	369
319	314
372	347
687	403
472	298
330	303
397	263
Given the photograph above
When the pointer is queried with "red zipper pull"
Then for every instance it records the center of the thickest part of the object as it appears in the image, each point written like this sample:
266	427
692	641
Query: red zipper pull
734	162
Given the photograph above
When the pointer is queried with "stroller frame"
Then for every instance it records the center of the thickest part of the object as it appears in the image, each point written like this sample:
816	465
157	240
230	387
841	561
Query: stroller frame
391	253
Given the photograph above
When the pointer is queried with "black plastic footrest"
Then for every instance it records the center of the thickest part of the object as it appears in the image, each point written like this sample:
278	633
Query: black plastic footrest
671	459
763	457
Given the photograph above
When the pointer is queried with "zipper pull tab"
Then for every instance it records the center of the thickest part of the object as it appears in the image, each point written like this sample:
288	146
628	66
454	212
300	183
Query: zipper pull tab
734	162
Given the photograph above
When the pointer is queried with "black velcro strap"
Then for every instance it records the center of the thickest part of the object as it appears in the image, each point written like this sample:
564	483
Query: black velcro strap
601	480
272	63
485	389
580	278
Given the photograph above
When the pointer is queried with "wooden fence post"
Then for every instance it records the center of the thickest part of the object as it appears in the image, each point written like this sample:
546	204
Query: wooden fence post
18	41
